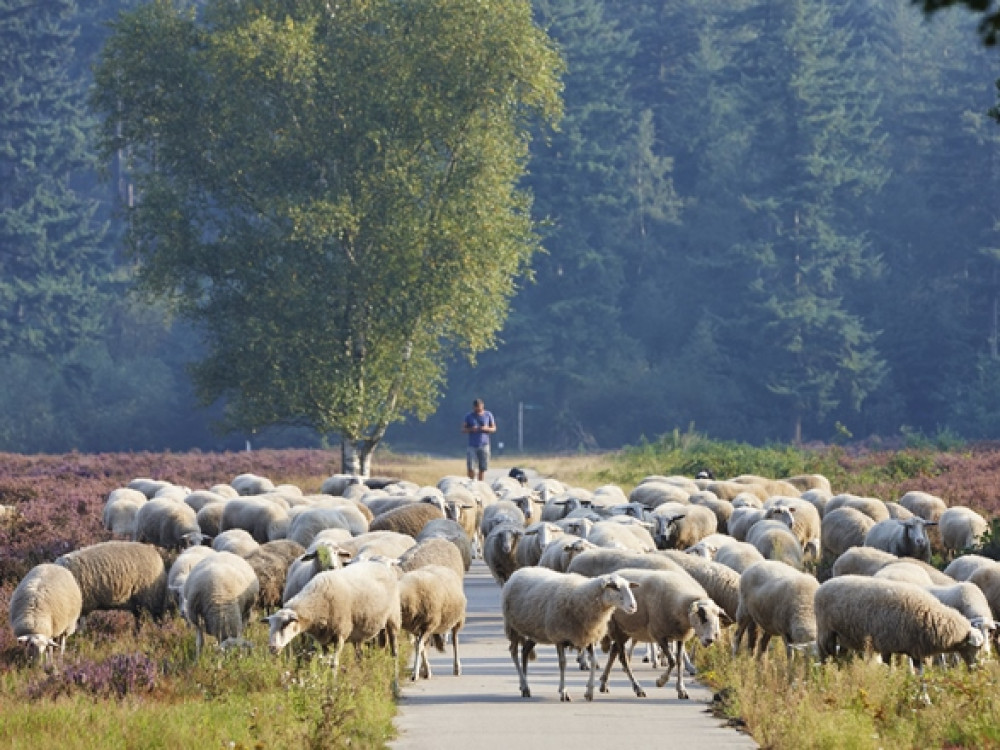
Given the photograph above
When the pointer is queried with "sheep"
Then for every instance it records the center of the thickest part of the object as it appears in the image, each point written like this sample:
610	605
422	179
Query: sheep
218	597
167	524
560	553
565	609
172	492
337	484
681	530
120	510
818	499
251	484
120	575
778	600
409	519
388	543
536	538
771	486
601	561
870	506
182	567
970	601
721	582
894	618
739	556
501	512
723	509
964	566
670	607
742	520
200	498
904	571
865	561
347	605
923	504
446	528
577	526
651	494
806	524
960	529
500	550
304	525
709	546
561	505
805	482
621	536
843	528
263	517
775	541
897	511
433	552
209	519
226	491
238	541
46	605
148	487
270	562
987	578
901	538
432	603
728	490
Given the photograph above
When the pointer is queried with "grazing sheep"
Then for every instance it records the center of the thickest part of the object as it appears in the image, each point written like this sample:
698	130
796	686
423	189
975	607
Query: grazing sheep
168	524
270	562
452	531
120	510
771	486
726	490
182	567
987	578
432	603
723	509
389	544
742	520
622	536
680	530
306	524
652	494
602	561
408	519
263	517
863	561
320	556
337	484
670	608
778	600
923	504
200	498
46	605
148	487
853	612
120	575
500	550
560	553
251	484
218	597
565	609
209	519
842	529
805	521
805	482
433	551
970	601
960	529
901	538
898	512
961	568
347	605
238	541
905	571
818	499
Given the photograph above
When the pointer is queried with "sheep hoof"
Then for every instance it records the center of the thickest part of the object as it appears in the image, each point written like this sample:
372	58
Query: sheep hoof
605	689
525	693
640	693
587	696
564	697
682	694
660	682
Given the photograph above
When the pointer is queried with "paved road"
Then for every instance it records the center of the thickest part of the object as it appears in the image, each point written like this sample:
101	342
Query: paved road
483	708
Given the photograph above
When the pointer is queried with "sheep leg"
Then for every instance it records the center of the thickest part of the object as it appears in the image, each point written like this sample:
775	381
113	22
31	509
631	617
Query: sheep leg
681	691
561	654
338	646
456	664
589	695
765	641
522	672
614	651
199	642
418	650
688	664
623	657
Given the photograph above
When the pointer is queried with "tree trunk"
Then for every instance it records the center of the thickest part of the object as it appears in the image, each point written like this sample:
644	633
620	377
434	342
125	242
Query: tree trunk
356	457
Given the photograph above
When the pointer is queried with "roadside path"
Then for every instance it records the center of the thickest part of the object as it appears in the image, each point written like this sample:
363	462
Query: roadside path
483	709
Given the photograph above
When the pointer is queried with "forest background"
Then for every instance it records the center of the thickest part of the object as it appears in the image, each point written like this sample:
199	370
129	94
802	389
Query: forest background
774	220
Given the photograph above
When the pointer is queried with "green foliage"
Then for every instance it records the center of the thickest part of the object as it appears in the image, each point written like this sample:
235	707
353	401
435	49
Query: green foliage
989	542
334	202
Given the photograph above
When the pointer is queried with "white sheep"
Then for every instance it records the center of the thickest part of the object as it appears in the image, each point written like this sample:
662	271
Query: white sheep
305	524
670	608
432	604
621	536
864	561
408	519
265	518
536	538
560	553
681	529
720	581
348	605
209	518
775	541
960	528
120	575
270	563
500	550
148	487
723	509
778	600
923	504
120	510
169	524
46	605
905	571
434	551
200	498
901	538
892	617
320	556
238	541
742	520
872	507
805	521
500	512
603	560
962	567
970	601
390	544
182	567
565	609
218	598
739	556
251	484
843	528
452	531
654	493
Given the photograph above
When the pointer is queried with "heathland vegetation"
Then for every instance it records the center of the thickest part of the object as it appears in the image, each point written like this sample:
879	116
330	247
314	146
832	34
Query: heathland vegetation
123	687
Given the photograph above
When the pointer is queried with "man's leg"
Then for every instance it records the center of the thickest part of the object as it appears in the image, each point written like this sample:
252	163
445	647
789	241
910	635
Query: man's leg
483	455
470	461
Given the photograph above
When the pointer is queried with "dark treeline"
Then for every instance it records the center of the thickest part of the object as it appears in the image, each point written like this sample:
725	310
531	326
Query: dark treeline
769	219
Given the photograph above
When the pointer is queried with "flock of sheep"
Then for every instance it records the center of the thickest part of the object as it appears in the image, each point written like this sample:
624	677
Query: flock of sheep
675	559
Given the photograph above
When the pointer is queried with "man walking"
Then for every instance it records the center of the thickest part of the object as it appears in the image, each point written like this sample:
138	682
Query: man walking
479	425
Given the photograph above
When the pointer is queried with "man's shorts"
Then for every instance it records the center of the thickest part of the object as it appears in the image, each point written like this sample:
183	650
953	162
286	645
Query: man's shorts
477	458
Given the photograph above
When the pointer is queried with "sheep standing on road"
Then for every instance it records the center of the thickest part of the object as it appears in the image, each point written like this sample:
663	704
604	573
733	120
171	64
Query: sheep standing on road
670	608
45	605
218	597
564	609
432	603
500	550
